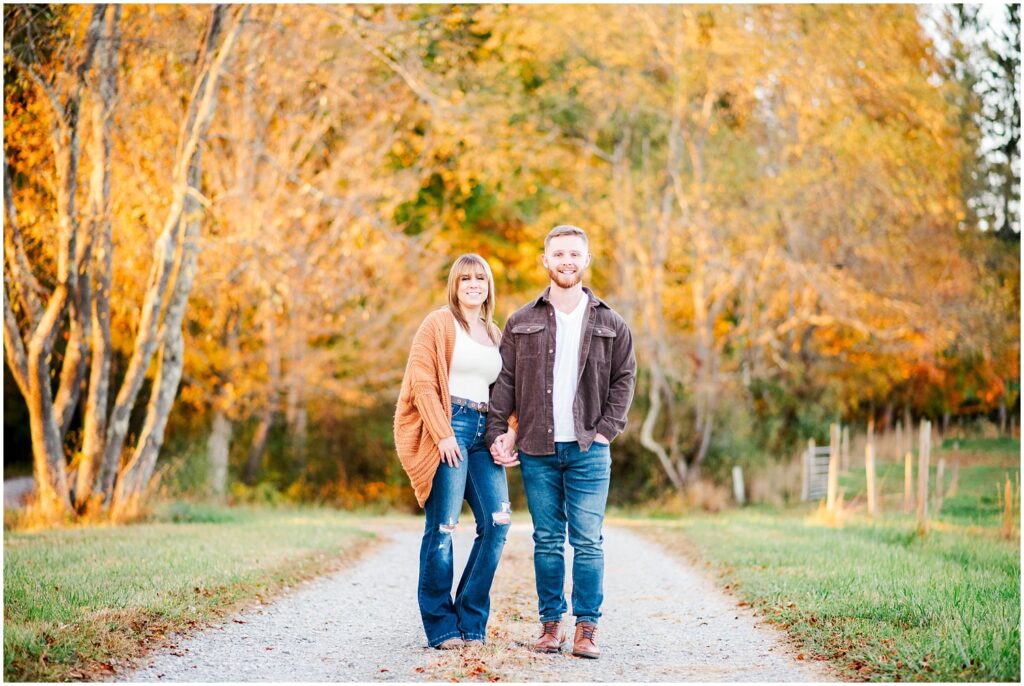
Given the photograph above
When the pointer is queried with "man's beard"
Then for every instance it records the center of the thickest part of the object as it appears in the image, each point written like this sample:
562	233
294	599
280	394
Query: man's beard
566	280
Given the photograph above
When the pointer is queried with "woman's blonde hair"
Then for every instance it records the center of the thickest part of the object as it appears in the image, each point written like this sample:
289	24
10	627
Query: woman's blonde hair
471	263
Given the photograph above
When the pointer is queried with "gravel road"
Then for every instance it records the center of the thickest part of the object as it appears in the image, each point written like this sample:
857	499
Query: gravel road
16	491
663	621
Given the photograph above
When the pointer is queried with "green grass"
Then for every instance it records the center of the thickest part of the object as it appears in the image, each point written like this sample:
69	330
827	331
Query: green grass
78	600
1003	444
880	601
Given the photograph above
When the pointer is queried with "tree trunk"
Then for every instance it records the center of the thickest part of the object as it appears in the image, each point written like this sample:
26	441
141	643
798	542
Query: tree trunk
219	442
890	411
47	450
647	430
270	346
95	422
259	444
297	424
150	334
73	369
172	349
218	447
34	368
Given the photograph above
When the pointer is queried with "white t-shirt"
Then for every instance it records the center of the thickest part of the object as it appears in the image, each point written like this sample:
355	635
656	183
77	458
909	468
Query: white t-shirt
474	368
568	334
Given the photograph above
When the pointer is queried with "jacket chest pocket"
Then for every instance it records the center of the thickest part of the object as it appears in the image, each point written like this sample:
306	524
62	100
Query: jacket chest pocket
530	340
601	343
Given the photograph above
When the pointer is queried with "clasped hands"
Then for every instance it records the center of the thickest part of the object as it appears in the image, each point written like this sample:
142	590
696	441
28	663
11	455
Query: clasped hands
503	450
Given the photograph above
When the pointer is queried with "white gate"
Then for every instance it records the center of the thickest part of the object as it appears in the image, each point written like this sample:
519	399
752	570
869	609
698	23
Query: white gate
815	473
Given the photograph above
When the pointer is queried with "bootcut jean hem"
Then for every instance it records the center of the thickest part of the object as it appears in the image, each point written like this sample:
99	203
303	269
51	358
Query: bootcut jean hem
591	620
444	637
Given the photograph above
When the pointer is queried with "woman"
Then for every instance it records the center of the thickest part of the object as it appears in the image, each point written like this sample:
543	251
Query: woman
439	436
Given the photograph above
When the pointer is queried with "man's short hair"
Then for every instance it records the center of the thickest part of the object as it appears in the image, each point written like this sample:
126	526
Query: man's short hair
566	230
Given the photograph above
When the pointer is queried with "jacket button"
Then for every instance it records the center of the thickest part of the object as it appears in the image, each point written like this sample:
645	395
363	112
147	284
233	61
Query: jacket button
549	390
549	430
551	350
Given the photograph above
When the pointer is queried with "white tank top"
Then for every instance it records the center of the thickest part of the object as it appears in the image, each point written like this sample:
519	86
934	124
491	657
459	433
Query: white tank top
474	368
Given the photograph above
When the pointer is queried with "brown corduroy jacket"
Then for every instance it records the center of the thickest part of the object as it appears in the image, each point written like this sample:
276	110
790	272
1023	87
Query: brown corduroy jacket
604	384
423	416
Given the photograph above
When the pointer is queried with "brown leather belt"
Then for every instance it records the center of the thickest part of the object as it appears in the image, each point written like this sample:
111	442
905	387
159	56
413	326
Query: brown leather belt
471	404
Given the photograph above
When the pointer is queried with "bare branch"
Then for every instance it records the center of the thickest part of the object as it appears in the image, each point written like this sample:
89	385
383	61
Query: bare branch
14	247
14	347
51	95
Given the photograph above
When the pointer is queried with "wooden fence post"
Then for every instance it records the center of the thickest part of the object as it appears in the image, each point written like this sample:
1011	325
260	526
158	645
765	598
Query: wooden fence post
924	453
908	480
845	460
954	481
737	485
1008	508
940	484
805	475
833	467
869	470
899	439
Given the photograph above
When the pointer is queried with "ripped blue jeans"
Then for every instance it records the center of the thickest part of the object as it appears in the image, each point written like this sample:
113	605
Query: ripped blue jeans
481	482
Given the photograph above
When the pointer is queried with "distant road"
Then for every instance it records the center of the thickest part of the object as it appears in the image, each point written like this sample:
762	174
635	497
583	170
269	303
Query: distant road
15	492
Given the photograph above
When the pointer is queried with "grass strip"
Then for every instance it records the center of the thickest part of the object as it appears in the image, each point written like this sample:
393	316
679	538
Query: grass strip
80	603
879	601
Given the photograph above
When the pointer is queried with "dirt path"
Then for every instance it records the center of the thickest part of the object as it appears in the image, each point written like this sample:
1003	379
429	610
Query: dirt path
663	621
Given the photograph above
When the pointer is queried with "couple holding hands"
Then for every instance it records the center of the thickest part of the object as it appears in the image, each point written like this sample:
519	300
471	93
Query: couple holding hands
548	394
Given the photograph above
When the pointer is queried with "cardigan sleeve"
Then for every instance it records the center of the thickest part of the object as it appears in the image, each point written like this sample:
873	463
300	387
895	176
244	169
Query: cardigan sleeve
424	366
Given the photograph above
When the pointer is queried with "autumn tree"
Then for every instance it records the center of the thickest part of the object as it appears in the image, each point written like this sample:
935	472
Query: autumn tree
62	71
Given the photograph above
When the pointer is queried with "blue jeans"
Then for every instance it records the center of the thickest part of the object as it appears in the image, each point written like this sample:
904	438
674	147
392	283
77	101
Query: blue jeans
483	483
569	488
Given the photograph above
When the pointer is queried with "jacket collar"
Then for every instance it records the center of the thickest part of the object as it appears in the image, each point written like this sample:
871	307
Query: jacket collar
545	298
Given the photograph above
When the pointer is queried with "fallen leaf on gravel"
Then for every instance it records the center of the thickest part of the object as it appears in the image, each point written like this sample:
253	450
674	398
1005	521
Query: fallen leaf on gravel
384	669
800	656
420	670
238	621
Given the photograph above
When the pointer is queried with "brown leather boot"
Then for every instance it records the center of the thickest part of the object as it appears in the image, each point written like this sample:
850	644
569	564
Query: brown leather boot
552	636
584	644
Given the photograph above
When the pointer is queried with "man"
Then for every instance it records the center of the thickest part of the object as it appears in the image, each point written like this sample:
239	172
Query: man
568	371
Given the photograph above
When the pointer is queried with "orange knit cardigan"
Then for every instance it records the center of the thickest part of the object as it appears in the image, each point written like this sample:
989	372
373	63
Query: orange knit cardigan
423	415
